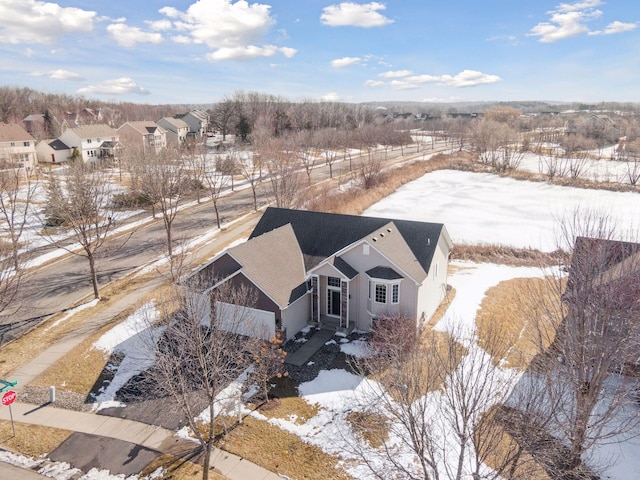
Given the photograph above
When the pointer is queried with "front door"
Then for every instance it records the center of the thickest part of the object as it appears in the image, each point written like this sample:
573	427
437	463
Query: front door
333	302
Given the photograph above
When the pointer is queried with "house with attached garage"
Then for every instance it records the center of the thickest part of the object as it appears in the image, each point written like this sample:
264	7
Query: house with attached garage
331	270
92	141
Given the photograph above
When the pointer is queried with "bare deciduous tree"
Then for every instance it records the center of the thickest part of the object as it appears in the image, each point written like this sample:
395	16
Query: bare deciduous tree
164	182
593	330
82	204
283	171
436	393
215	180
200	356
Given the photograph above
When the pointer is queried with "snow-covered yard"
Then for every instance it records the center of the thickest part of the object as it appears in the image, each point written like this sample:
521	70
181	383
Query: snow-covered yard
489	209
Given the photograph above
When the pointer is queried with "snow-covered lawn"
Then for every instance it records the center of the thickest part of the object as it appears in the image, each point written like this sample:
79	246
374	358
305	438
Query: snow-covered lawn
489	209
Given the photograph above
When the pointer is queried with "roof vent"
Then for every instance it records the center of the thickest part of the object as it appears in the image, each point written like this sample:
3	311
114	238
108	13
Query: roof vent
389	230
375	239
382	234
428	241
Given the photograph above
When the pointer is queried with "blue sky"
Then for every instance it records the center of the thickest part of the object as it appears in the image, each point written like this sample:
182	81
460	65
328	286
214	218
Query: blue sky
198	51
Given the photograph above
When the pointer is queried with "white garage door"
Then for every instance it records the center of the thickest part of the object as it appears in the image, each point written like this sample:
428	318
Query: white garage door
246	321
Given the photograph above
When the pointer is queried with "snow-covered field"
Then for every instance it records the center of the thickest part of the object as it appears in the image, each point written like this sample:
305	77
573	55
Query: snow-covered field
489	209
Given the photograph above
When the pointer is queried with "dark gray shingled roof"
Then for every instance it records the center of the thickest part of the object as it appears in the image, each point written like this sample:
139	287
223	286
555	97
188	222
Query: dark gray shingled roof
384	273
58	145
320	235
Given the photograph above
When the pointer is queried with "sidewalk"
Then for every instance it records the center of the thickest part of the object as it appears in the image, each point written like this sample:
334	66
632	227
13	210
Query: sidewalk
155	438
149	436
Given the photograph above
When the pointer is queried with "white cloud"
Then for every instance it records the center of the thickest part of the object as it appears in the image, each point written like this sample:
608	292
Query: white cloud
396	74
160	25
249	52
615	27
118	86
33	21
572	7
403	85
127	36
355	15
571	19
221	23
466	78
233	30
181	39
330	97
345	62
65	75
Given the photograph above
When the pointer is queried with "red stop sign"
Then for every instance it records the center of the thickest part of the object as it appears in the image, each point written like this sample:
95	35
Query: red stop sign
9	397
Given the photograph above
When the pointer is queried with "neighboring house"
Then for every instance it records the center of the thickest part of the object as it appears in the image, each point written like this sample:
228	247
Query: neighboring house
92	141
17	147
41	125
335	270
177	130
603	127
85	116
143	135
198	122
53	151
603	288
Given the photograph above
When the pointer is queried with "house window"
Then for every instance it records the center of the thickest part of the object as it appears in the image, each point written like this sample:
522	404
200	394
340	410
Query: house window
333	281
13	144
369	290
26	144
395	293
89	140
381	293
437	270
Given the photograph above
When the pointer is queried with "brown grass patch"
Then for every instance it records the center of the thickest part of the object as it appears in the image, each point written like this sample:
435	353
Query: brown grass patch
501	452
504	255
442	308
281	452
31	440
178	469
294	409
372	427
517	319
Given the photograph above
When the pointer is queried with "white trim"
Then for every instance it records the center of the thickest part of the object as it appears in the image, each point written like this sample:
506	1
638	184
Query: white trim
326	262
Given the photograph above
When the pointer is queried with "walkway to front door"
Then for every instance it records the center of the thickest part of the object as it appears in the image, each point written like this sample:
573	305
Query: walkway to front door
306	351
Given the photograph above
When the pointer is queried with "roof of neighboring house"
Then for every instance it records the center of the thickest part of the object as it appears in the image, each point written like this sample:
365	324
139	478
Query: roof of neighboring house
175	122
58	145
144	126
273	262
605	267
321	235
10	132
93	131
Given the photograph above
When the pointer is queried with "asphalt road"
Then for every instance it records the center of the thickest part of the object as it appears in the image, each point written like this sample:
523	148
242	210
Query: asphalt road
59	285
